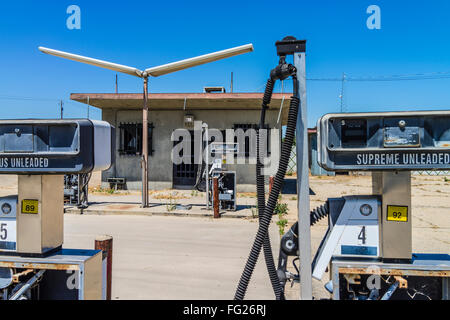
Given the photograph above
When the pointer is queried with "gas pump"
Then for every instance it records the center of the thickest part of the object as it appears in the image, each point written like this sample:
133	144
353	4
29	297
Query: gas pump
33	264
214	165
226	179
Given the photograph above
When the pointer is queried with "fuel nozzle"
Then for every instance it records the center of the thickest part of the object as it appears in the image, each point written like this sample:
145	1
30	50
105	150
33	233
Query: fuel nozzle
282	71
288	46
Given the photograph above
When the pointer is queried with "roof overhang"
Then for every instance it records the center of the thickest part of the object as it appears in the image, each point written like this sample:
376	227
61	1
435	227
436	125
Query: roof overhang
183	101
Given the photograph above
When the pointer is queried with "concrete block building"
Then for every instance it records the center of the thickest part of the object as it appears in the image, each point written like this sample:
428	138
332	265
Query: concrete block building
167	112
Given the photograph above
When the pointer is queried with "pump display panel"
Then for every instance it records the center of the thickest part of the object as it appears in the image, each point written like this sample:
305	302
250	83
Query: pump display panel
384	141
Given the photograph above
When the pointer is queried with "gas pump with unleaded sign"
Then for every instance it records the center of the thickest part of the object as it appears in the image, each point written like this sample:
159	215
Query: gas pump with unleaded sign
40	152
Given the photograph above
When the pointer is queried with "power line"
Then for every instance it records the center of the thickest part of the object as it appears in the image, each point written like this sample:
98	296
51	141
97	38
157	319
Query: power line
59	102
7	97
19	98
395	77
343	79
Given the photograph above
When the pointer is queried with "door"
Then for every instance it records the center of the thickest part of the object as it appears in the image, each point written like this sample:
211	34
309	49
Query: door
185	174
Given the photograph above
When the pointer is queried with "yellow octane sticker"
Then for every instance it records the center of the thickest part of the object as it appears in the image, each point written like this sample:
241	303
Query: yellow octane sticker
30	206
397	213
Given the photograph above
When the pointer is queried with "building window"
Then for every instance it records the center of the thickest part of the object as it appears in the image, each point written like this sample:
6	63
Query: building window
245	127
131	138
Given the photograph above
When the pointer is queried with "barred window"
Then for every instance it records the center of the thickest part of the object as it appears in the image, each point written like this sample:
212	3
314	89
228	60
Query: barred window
245	127
131	138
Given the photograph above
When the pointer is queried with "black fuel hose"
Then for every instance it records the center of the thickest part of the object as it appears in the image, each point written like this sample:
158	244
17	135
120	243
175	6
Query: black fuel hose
319	213
260	191
266	218
315	216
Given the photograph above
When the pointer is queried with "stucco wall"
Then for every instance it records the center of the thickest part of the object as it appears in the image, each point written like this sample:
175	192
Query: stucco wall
160	166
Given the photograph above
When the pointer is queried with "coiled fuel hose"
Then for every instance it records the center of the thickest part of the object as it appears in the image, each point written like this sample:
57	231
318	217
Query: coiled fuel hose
260	191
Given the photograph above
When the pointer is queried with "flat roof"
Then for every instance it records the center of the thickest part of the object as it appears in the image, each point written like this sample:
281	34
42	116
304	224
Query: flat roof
181	101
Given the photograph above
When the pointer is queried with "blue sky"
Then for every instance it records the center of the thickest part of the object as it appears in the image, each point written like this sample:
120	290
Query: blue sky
414	38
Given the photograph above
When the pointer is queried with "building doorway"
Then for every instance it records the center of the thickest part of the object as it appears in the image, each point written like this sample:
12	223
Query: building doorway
185	174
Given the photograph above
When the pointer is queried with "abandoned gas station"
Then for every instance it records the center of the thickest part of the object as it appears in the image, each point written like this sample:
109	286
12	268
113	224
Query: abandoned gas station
168	112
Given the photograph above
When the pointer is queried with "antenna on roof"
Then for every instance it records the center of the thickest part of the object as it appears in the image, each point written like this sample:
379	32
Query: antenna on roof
231	86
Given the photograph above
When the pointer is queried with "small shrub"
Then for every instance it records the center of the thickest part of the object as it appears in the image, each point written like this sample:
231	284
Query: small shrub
281	209
172	205
282	223
255	212
102	190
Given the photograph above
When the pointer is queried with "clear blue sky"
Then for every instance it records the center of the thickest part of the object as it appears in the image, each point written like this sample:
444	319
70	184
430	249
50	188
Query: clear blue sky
414	38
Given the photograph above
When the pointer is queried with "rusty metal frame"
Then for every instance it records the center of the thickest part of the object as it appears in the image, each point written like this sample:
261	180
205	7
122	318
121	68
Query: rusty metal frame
423	268
46	266
395	272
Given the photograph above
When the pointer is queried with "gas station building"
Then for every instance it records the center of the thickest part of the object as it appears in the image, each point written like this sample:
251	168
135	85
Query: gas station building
167	112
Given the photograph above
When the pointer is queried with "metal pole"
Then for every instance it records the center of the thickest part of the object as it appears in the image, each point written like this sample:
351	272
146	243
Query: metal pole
105	243
145	146
61	108
207	166
304	239
231	87
390	291
80	183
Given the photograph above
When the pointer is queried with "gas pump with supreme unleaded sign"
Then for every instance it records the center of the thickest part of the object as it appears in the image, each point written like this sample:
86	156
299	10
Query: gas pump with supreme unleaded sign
372	235
368	245
33	264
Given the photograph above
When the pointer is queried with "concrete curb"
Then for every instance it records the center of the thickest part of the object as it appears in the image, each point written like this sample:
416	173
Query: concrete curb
147	213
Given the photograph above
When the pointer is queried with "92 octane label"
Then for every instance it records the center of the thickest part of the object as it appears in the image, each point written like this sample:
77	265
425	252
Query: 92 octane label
397	213
30	206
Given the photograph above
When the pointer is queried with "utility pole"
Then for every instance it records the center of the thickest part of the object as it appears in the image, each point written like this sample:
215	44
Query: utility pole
88	107
61	108
144	162
116	85
342	92
231	87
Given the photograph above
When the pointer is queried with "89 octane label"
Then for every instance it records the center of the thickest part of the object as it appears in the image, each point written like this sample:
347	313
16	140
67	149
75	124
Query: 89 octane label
30	206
